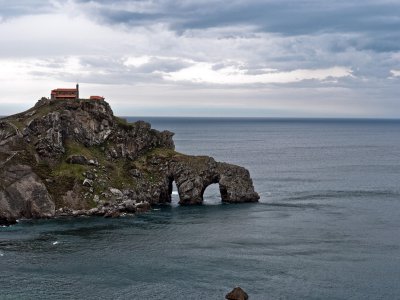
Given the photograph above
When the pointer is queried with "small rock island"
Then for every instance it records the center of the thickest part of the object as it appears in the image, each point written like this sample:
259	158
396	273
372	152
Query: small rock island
68	156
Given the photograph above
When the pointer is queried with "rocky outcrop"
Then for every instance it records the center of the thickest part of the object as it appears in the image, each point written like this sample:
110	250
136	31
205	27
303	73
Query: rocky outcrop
90	123
237	294
76	158
23	195
131	140
193	174
236	185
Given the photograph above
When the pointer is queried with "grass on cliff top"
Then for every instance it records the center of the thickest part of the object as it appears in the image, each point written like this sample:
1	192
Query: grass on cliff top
170	153
22	118
72	147
69	170
39	111
141	161
117	171
197	162
119	174
75	148
123	123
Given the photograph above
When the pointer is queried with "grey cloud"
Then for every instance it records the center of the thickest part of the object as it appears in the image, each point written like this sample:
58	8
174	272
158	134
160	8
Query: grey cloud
109	70
252	35
163	65
130	18
9	9
376	20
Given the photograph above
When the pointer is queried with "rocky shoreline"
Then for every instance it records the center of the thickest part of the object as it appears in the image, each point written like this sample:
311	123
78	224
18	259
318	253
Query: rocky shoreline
74	157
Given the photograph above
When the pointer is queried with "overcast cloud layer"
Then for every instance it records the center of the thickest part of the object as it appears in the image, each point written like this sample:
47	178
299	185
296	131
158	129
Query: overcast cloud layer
287	58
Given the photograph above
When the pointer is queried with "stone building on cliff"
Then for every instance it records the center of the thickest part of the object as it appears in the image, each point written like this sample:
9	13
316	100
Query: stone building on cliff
68	94
63	94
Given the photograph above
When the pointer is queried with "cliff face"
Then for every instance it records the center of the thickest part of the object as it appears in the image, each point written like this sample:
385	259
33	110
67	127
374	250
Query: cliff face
75	157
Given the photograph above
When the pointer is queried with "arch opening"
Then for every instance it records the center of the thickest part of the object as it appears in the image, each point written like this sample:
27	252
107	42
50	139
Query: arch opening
212	195
173	192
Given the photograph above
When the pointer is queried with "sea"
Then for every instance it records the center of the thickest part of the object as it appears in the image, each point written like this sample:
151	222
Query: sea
327	225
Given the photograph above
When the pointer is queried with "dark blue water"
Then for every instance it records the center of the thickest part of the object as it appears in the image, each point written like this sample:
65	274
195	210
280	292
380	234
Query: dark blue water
327	227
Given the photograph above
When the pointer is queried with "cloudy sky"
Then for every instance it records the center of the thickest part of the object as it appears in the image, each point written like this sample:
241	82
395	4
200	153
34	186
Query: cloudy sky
264	58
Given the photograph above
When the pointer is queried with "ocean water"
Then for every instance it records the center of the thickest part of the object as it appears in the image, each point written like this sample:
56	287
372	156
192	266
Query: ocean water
327	225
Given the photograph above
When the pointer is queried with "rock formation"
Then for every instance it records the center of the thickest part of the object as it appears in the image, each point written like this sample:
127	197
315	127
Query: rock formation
74	157
237	294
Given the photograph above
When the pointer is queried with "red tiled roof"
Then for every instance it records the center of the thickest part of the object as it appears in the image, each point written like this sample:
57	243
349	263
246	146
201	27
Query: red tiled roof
96	98
64	90
65	96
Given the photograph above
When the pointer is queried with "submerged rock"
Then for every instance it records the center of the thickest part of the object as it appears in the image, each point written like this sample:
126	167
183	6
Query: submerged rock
76	157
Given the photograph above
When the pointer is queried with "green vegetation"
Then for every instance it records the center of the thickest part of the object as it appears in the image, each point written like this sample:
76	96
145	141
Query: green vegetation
119	175
17	123
123	123
75	148
155	152
69	170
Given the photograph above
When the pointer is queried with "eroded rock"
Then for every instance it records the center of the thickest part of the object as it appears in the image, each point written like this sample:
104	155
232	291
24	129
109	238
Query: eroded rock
237	294
193	174
24	195
113	167
88	182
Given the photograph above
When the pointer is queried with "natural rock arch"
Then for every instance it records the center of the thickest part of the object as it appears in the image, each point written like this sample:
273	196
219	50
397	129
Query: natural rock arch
193	176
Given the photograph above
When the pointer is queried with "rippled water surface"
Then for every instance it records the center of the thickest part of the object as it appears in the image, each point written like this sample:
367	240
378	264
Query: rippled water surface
327	226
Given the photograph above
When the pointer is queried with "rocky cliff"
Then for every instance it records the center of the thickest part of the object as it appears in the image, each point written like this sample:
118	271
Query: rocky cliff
76	158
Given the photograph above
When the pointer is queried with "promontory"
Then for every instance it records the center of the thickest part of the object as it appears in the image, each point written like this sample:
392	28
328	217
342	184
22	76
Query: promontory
73	157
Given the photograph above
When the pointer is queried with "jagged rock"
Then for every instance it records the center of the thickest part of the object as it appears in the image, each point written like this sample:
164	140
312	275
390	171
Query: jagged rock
93	162
133	156
143	206
89	175
193	174
87	182
116	192
235	184
129	206
77	159
23	195
135	173
93	212
237	294
76	213
48	133
112	213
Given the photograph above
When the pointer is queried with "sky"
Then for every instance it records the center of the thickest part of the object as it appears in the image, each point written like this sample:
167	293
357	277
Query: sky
238	58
